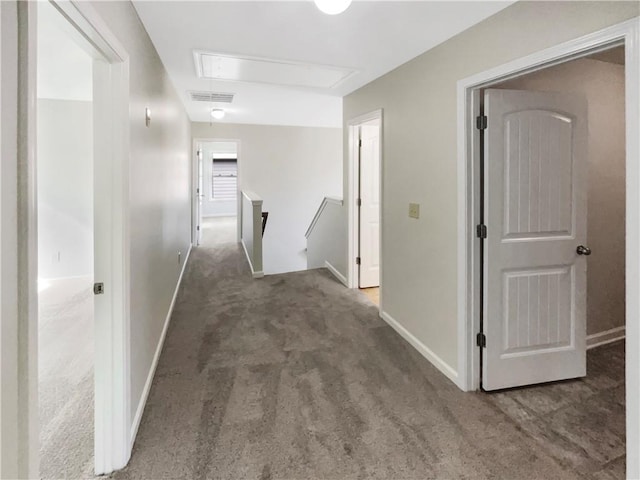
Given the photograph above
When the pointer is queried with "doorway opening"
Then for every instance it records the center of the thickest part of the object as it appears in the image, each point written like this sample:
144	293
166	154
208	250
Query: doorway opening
365	135
548	161
562	294
217	192
73	242
65	193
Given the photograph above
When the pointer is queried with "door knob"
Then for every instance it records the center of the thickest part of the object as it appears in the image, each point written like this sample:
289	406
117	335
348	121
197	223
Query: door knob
582	250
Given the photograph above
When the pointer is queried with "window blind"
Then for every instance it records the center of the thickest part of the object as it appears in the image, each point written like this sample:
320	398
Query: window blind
224	181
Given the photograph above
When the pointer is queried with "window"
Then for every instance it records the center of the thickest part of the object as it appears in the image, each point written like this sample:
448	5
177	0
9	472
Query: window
224	179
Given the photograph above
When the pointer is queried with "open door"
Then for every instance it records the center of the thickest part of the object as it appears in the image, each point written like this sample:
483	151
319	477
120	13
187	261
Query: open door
199	196
370	205
535	254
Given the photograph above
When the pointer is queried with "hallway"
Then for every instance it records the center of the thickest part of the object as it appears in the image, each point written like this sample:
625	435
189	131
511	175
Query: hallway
294	376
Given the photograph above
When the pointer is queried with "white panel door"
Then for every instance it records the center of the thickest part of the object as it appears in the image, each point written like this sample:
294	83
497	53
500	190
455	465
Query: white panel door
536	216
200	195
370	205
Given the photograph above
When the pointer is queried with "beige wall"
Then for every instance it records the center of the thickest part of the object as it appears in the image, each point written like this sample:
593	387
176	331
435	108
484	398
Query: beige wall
419	102
292	169
160	195
603	86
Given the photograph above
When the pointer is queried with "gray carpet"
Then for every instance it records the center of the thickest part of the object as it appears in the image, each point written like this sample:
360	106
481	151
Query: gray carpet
65	384
295	377
581	422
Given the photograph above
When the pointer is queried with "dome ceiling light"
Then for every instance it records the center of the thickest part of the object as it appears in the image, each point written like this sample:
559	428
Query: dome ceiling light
332	7
217	113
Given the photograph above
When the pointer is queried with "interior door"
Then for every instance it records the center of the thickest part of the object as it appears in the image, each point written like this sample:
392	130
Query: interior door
370	205
200	195
536	216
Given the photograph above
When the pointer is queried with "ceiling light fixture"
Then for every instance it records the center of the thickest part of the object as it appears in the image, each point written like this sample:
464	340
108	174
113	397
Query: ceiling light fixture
217	113
332	7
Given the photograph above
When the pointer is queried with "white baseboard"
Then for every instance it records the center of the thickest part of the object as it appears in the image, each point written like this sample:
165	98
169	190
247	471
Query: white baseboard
156	357
254	274
337	274
437	362
246	254
608	336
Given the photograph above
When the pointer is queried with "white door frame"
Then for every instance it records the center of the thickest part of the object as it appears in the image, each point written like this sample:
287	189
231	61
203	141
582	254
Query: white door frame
196	208
194	186
15	456
111	147
353	225
627	33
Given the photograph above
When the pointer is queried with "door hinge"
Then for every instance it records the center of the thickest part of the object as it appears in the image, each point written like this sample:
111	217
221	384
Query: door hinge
359	202
360	142
98	288
481	231
358	260
481	340
198	228
481	122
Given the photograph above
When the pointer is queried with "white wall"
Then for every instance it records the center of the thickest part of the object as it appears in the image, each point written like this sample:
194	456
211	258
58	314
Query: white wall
292	169
603	86
419	258
211	207
327	242
65	188
65	70
251	231
160	189
246	235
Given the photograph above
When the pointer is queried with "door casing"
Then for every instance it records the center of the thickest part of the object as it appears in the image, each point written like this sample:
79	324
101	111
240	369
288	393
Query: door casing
469	269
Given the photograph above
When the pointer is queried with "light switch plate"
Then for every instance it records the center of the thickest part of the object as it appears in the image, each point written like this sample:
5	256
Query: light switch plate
414	210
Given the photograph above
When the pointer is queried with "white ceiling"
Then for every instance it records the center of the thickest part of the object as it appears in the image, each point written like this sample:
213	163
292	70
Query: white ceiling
371	37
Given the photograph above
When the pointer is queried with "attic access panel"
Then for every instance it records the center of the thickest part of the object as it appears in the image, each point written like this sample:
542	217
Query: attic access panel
270	71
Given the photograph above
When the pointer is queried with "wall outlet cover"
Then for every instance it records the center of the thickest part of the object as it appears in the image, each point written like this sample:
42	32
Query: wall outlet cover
414	210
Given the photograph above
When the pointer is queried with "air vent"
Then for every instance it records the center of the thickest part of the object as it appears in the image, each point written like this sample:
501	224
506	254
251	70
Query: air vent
211	97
